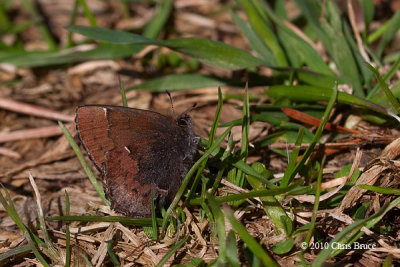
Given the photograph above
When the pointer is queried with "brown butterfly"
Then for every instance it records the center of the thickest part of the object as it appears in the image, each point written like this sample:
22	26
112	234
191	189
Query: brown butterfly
137	152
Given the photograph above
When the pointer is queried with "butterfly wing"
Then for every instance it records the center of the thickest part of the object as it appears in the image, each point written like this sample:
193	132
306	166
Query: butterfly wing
138	152
103	128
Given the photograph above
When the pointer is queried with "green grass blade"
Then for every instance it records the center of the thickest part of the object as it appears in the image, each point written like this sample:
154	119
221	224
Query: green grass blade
293	157
176	82
381	190
393	69
341	51
372	37
33	240
251	194
30	7
112	36
316	203
50	251
214	53
219	223
153	29
22	58
304	50
123	95
368	222
390	32
190	173
210	52
123	220
67	232
171	252
239	181
73	16
271	205
252	244
113	257
254	41
224	164
88	14
15	252
328	29
311	94
313	78
315	139
213	131
244	167
385	88
358	58
368	10
153	218
263	28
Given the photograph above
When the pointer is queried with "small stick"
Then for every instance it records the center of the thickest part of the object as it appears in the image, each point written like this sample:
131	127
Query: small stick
30	133
34	110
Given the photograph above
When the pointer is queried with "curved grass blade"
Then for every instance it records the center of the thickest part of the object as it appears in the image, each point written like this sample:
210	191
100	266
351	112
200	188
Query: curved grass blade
391	30
244	167
385	88
316	203
214	53
263	28
312	93
380	190
176	82
158	21
271	205
190	173
393	69
303	49
252	244
112	255
239	181
33	241
213	131
171	252
219	223
293	156
211	52
39	58
88	13
67	232
44	31
15	252
252	194
123	220
112	36
368	222
254	41
368	10
317	135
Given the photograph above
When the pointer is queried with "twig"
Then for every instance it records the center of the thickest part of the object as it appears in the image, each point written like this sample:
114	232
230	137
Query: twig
30	133
353	23
34	110
9	153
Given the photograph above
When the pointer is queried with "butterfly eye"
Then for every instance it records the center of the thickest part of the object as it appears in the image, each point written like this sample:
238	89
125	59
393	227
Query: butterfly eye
184	121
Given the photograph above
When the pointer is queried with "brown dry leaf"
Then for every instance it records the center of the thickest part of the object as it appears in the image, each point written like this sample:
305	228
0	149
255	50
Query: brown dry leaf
374	171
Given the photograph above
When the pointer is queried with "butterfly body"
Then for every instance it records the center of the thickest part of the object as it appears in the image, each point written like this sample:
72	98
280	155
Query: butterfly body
138	152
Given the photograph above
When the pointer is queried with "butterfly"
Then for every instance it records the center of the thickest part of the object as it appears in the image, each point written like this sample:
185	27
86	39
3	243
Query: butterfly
137	152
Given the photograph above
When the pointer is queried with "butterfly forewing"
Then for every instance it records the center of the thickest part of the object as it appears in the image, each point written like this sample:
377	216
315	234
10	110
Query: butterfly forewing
138	152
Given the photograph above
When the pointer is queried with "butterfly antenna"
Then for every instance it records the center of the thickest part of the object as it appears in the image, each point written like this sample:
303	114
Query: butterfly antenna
170	100
190	109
